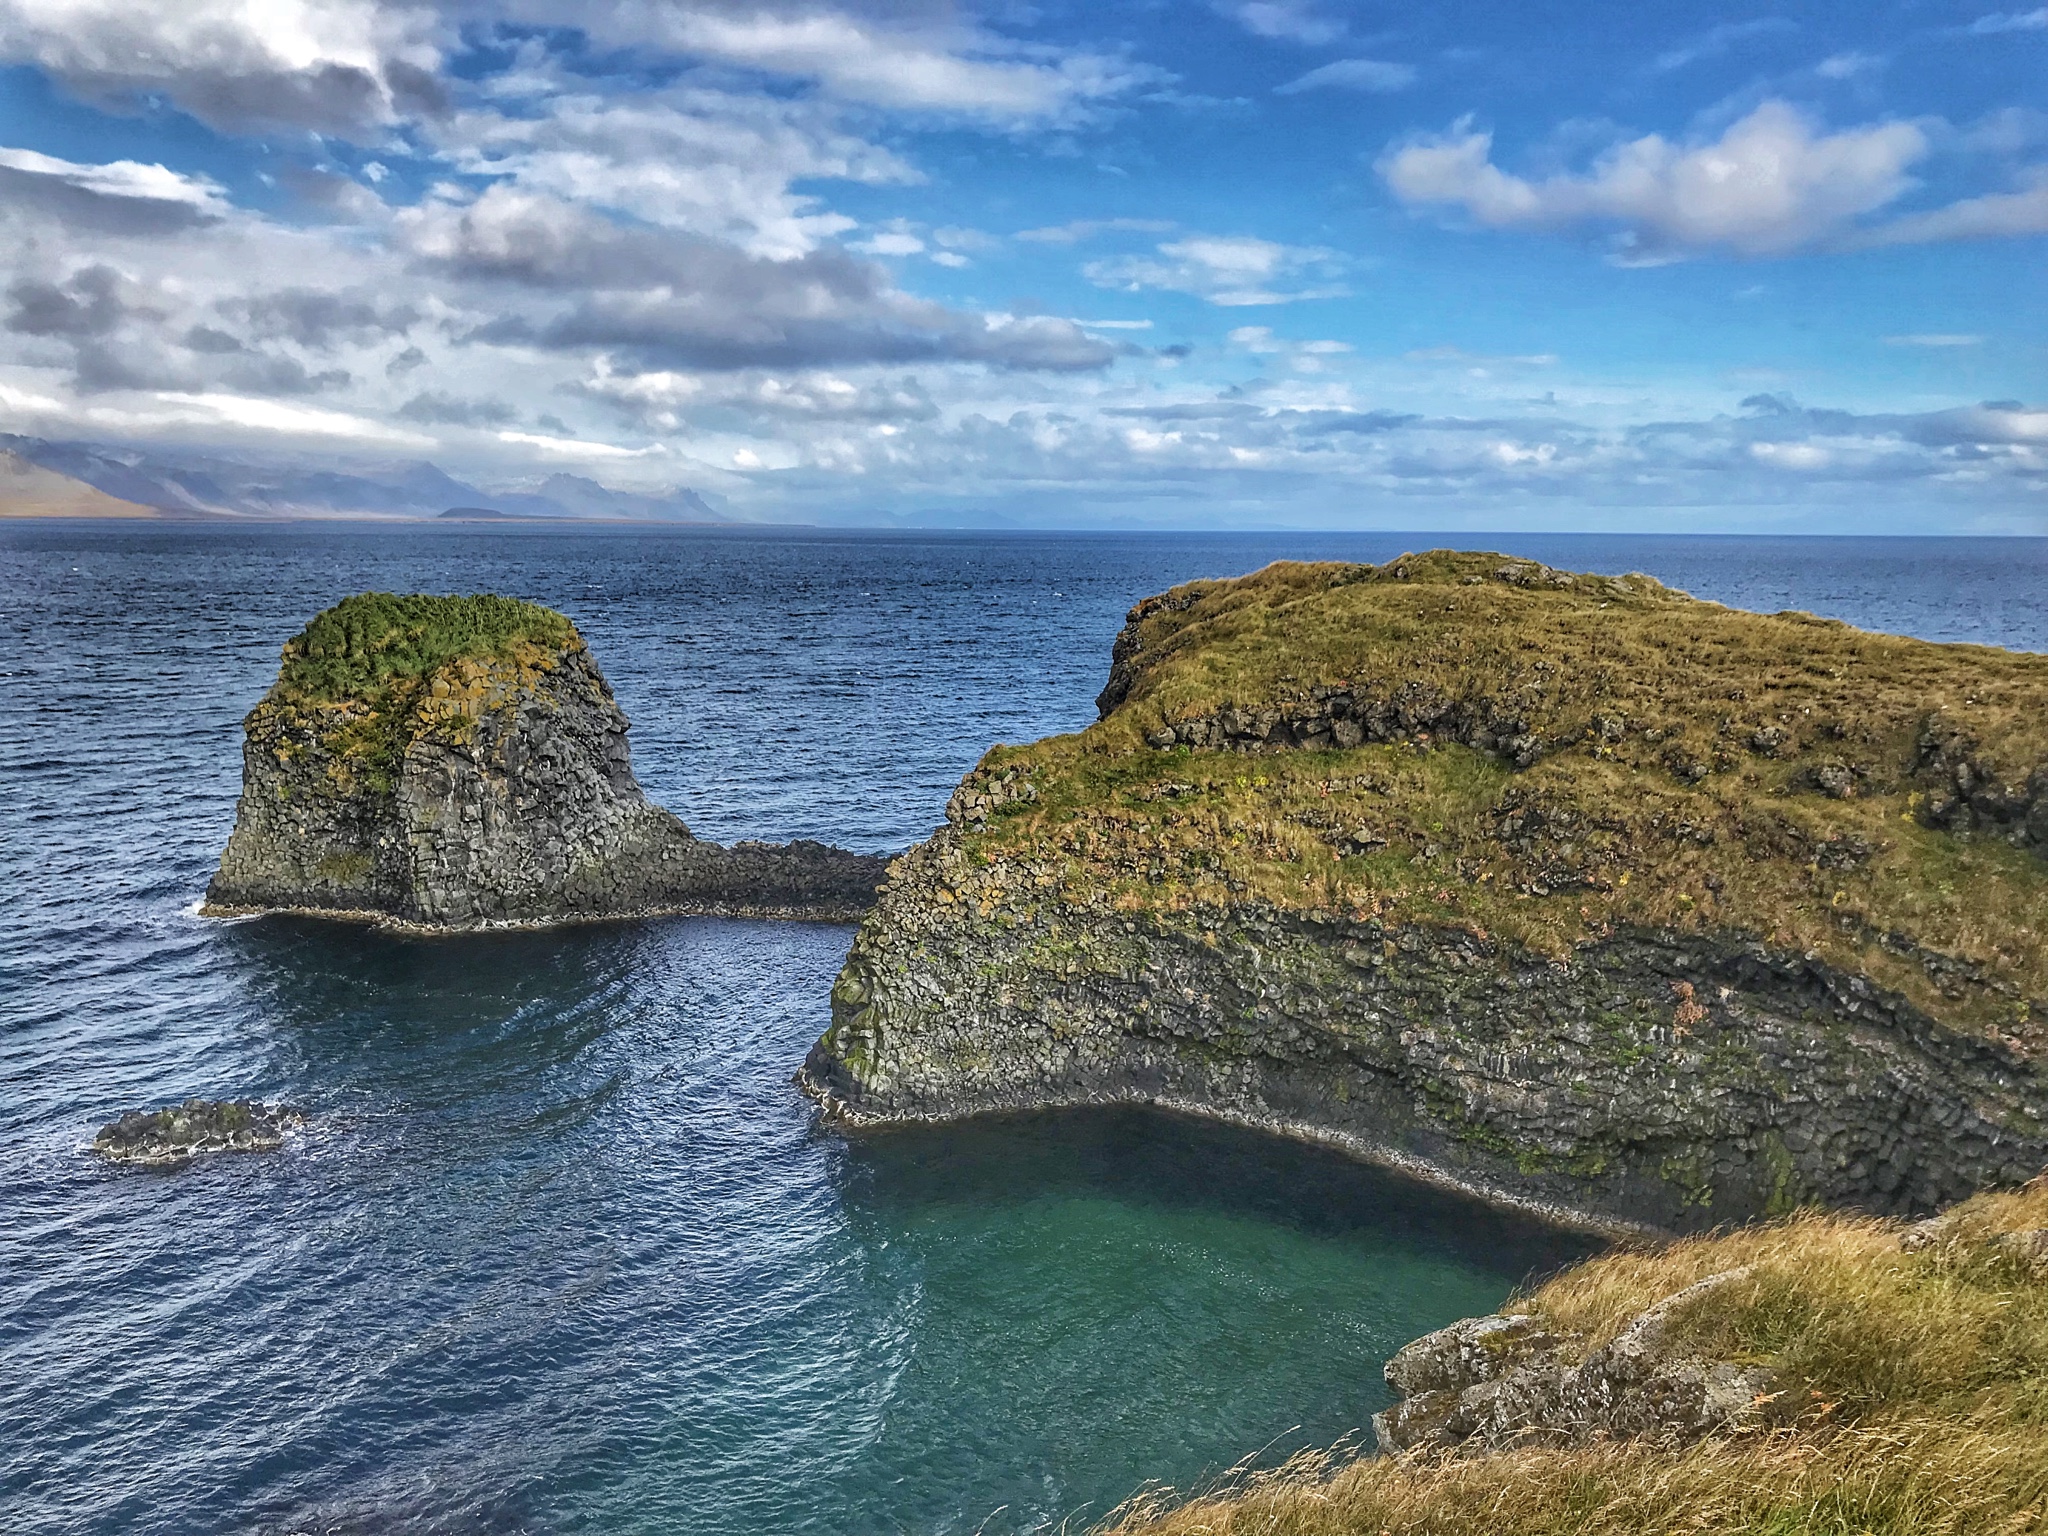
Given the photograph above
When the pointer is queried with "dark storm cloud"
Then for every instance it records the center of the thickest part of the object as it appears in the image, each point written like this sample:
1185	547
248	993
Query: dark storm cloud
675	300
437	409
313	318
88	304
1325	423
277	374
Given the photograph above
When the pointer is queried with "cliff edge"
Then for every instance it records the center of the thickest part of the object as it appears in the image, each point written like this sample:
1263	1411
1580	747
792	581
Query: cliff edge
1569	890
449	762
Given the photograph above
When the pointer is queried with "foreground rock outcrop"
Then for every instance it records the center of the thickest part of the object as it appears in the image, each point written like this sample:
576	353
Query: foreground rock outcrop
195	1128
1569	890
1826	1372
1488	1382
453	762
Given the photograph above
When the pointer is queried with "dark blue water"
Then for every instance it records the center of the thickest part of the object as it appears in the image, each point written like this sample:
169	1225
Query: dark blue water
563	1250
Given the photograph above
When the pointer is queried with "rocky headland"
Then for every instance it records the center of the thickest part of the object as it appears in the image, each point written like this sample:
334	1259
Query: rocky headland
456	762
1569	890
194	1128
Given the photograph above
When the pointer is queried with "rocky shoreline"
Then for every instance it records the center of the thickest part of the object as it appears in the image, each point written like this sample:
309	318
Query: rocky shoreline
1578	1091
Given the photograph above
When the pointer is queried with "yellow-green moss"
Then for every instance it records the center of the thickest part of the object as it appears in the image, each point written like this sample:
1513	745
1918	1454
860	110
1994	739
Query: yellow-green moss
367	675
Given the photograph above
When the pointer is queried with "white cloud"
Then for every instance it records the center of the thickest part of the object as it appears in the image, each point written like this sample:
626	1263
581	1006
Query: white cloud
1995	216
889	242
1773	182
1292	21
1934	339
1353	75
1230	270
576	448
1796	456
1716	41
122	179
1087	229
1847	66
956	70
714	163
2011	21
337	66
290	420
1300	356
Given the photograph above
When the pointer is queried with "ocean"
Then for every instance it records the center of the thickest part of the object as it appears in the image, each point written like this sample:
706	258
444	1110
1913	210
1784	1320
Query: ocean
562	1249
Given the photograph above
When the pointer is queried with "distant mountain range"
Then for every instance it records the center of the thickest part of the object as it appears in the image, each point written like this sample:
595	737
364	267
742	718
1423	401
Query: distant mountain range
196	485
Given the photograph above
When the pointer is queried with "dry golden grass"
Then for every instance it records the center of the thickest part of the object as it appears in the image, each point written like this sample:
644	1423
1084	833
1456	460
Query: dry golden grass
1915	1400
1610	837
1910	1477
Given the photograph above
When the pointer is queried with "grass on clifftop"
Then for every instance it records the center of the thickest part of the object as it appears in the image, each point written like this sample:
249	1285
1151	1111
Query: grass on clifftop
1623	678
365	676
1913	1402
365	645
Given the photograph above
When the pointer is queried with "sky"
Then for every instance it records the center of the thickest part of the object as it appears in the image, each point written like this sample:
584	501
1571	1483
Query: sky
1184	263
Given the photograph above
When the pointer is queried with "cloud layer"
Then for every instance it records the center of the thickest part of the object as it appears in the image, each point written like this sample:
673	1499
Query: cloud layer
825	254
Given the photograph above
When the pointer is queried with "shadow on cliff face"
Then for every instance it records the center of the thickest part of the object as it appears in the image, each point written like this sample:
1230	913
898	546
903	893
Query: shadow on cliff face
1147	1158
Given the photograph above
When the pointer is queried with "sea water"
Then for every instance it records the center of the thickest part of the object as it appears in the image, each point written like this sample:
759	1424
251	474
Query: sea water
562	1250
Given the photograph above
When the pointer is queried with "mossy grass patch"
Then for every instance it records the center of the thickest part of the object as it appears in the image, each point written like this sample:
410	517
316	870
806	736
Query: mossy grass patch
1600	833
363	645
366	676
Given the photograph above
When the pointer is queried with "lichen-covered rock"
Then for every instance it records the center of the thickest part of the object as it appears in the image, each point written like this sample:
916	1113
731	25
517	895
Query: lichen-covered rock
1576	978
485	780
194	1128
1489	1382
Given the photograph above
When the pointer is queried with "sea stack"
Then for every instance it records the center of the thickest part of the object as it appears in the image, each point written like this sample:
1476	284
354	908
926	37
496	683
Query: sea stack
454	762
1571	890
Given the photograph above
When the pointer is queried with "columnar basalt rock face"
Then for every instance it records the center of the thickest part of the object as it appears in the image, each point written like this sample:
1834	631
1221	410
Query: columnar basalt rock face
1616	990
495	786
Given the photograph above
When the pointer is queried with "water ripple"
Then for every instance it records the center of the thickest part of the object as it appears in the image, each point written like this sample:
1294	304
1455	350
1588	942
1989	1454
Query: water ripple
561	1249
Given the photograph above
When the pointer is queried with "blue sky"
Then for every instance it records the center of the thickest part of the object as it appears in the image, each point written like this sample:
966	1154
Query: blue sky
1189	263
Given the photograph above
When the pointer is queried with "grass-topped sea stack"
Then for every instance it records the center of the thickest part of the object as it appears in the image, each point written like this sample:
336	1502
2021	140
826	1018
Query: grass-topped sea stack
1572	889
451	761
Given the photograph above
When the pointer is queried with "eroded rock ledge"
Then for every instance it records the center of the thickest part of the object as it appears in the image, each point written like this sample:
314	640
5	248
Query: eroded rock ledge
459	762
1587	982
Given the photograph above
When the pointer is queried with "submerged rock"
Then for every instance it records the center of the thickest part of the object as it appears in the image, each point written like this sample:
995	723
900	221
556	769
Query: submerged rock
1570	890
195	1127
454	762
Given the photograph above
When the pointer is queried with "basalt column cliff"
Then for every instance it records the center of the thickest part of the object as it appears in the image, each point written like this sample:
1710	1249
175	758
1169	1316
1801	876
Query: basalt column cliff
1568	889
450	762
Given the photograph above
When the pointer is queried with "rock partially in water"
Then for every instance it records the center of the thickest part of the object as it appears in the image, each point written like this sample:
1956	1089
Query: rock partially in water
1489	1382
454	762
195	1127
